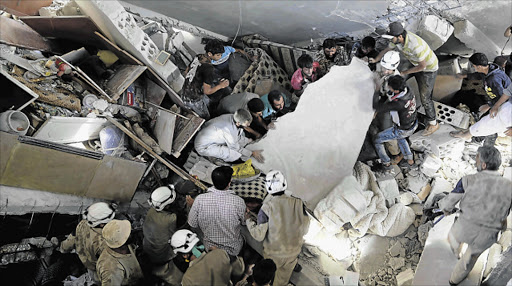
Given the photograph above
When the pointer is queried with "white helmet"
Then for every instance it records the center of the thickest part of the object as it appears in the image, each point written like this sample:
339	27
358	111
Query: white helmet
162	197
390	60
183	241
275	182
99	213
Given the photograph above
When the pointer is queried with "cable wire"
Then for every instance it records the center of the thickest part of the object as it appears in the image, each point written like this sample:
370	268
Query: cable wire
239	21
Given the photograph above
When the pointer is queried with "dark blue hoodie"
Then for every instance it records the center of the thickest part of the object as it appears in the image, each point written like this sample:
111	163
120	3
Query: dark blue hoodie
495	82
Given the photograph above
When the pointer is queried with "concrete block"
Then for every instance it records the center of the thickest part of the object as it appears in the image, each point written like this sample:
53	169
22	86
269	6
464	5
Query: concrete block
492	259
475	39
451	115
434	30
405	277
395	249
120	27
440	185
396	262
440	143
160	39
389	188
416	183
431	165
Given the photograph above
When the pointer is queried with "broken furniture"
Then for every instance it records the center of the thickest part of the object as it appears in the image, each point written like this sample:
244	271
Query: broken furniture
31	163
20	95
70	129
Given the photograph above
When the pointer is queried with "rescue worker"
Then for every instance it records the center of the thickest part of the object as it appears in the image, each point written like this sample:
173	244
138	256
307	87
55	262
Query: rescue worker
485	201
87	239
159	226
118	264
282	223
214	267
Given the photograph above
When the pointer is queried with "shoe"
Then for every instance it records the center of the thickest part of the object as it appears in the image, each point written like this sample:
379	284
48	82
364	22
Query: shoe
397	159
410	164
297	268
430	129
451	283
461	134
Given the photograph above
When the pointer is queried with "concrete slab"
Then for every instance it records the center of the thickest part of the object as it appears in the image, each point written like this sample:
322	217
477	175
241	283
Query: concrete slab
452	116
434	30
431	165
389	188
475	39
373	254
440	143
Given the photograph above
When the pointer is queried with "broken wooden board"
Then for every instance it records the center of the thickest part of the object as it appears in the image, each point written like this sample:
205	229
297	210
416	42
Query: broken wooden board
150	151
164	129
17	34
127	58
39	165
26	7
123	78
77	28
12	98
185	130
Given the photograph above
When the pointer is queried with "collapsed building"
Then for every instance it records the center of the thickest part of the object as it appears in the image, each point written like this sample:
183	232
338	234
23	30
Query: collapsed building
94	112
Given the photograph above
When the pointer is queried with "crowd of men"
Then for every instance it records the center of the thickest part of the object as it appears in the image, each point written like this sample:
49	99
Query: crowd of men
208	249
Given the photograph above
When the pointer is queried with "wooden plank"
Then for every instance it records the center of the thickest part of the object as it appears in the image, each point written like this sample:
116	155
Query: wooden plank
75	28
17	34
186	133
168	164
27	7
128	58
123	78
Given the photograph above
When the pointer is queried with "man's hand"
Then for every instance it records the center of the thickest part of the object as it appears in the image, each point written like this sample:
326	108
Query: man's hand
494	111
509	132
258	156
372	61
461	76
247	214
271	125
483	109
224	83
189	200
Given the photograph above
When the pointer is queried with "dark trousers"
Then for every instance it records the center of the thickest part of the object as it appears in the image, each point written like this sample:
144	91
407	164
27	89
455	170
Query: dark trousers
426	82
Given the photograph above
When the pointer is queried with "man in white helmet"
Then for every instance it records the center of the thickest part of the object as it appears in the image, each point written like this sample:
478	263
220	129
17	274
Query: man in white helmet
214	267
159	226
118	264
387	67
87	239
282	223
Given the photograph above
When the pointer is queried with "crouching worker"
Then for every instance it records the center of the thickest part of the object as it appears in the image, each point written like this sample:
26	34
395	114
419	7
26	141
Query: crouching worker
485	200
223	138
118	264
87	239
215	267
400	99
282	223
159	226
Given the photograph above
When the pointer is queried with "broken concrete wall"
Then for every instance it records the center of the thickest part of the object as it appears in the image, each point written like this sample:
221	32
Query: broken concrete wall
120	27
475	39
434	30
330	124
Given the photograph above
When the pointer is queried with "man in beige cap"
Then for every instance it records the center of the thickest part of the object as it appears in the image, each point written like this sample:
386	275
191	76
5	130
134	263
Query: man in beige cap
118	264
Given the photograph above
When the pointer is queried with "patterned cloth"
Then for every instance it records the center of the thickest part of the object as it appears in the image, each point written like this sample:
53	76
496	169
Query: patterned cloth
219	215
254	189
265	67
415	49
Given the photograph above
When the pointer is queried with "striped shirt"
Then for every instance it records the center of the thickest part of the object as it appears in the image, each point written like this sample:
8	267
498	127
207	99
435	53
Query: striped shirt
416	50
219	215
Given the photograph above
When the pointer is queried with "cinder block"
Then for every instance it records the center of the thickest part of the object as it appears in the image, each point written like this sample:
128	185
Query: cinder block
451	115
389	188
431	165
440	185
434	30
416	183
440	143
160	39
475	39
405	277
